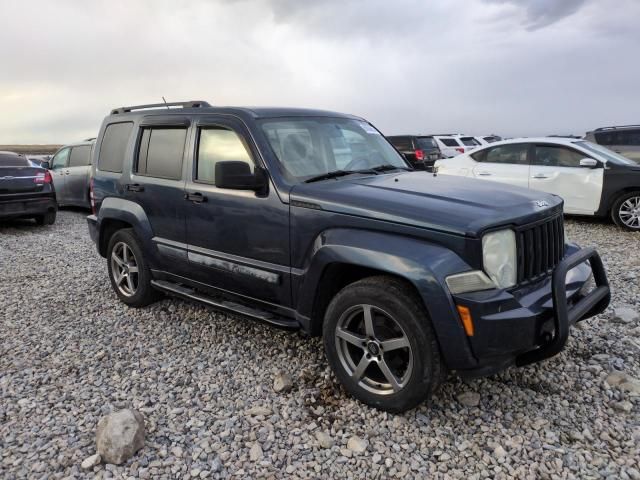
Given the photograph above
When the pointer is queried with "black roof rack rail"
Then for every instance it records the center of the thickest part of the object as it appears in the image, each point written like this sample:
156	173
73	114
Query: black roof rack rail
189	104
614	127
90	139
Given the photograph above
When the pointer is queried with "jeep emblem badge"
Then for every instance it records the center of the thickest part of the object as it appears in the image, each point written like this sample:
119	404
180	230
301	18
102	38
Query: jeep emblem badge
541	203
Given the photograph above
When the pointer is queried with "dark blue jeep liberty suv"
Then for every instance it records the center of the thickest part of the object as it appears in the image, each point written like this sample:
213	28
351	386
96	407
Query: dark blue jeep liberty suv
311	220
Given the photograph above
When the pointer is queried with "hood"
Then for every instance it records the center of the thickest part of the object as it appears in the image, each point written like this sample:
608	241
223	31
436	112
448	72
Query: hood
464	206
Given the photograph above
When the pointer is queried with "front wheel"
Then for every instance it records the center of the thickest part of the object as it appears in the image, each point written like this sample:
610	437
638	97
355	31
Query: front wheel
381	345
128	270
626	211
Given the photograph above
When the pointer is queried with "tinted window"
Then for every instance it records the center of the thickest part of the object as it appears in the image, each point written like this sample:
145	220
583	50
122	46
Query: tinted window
219	145
491	139
551	156
450	142
510	154
60	159
161	151
469	141
628	137
113	146
401	143
427	143
13	161
609	155
80	156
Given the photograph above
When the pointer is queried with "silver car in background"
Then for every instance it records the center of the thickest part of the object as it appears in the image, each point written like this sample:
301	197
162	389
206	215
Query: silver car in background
70	168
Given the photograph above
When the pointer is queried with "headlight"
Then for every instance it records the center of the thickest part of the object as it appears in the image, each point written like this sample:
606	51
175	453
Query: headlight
499	257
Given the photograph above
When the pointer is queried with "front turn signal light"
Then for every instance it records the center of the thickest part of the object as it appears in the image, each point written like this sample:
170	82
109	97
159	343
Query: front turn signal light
467	320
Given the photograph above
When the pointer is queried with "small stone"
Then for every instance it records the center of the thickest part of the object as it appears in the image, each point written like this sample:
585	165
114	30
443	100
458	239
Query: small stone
388	463
324	440
377	458
258	410
625	315
177	452
468	399
120	435
255	453
282	382
91	461
624	406
499	452
357	445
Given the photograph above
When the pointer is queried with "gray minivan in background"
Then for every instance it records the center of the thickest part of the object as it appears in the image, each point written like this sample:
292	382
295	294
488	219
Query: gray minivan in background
623	139
70	168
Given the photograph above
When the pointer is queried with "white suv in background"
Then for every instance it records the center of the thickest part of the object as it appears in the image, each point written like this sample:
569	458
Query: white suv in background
591	179
487	139
455	144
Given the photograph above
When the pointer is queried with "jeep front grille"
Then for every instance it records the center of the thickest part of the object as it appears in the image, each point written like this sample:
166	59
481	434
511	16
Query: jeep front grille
540	247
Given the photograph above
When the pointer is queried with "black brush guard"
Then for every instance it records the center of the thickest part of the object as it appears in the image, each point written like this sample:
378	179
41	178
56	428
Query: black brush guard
593	303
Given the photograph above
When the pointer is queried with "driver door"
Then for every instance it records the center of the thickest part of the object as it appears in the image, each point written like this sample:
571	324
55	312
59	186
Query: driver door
59	170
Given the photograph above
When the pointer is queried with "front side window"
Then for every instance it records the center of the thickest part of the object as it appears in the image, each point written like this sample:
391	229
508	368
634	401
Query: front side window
219	144
113	147
556	156
310	146
60	160
161	151
515	154
80	156
609	155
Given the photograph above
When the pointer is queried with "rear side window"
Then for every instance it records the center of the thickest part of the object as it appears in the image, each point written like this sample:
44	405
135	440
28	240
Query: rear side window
401	143
80	156
629	137
427	143
551	156
113	146
219	145
450	142
469	141
161	151
515	154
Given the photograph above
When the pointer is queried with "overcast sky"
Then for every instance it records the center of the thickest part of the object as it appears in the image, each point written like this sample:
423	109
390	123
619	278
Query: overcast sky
512	67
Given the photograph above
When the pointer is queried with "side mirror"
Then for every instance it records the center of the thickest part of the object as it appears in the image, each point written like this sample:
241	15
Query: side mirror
45	164
237	176
588	163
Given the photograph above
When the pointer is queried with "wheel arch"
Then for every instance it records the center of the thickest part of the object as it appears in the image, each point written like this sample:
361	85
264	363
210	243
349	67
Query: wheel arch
116	214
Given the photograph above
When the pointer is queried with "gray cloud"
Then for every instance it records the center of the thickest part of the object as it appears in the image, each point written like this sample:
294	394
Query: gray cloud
514	68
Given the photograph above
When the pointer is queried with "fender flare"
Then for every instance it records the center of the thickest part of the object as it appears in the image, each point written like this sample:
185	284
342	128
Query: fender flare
114	208
425	265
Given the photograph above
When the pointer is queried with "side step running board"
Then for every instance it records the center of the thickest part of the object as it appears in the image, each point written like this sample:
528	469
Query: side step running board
224	305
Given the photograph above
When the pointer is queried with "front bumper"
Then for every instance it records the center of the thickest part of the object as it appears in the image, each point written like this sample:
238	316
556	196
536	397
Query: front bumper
532	323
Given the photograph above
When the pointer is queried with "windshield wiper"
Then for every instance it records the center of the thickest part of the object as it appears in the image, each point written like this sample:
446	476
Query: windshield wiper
387	166
338	173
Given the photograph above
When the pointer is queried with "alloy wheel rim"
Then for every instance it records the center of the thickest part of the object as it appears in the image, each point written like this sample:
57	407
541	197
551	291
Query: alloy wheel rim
629	212
124	269
374	349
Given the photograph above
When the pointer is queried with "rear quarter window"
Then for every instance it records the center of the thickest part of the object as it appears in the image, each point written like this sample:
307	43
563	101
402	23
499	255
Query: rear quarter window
450	142
113	147
401	143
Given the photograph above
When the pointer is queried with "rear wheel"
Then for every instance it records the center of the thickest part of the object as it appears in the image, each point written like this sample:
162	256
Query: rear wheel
48	218
626	211
128	270
381	344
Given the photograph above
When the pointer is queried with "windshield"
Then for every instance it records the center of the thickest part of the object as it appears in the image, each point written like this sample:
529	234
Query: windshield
610	155
311	146
427	143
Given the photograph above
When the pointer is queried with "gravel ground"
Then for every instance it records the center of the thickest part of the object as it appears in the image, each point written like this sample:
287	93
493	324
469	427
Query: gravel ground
71	353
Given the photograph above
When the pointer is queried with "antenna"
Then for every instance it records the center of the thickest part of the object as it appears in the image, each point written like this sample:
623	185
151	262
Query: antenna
165	102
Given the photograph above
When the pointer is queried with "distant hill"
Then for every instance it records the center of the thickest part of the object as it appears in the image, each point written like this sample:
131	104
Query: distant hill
31	149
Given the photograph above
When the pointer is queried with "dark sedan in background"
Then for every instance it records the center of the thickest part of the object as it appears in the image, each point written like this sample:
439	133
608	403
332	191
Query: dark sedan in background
26	190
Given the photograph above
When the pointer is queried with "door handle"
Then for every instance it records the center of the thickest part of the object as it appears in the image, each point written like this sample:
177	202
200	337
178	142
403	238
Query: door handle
195	197
540	175
135	187
484	174
66	172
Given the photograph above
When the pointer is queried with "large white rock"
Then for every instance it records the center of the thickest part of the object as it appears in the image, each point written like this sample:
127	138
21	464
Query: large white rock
625	315
120	435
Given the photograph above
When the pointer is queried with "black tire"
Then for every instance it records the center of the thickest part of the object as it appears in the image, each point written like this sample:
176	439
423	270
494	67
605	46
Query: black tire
48	218
616	212
384	295
143	294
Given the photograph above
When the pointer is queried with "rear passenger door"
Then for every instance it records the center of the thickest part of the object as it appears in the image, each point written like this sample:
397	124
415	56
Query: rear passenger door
76	182
556	169
157	184
238	239
504	163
